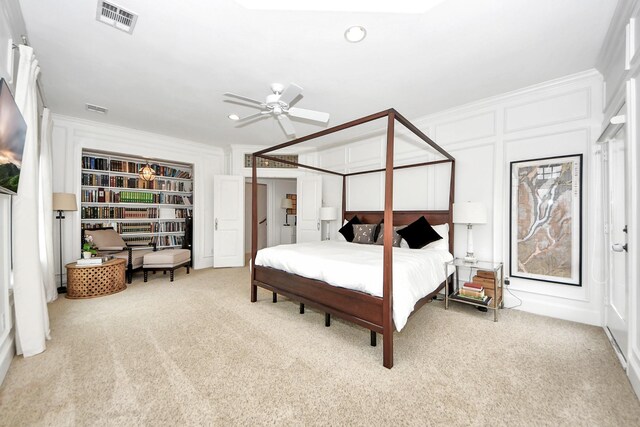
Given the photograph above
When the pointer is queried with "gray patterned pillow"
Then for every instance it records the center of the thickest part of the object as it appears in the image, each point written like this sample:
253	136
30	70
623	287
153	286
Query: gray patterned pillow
363	233
396	237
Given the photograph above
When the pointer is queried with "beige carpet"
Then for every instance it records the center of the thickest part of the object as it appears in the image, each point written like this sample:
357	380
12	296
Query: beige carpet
198	352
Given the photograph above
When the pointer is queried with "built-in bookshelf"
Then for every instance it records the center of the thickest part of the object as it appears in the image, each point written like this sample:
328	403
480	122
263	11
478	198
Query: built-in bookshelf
142	212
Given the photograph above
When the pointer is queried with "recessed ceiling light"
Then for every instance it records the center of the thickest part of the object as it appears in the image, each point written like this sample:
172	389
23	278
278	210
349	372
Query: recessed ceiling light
234	117
355	34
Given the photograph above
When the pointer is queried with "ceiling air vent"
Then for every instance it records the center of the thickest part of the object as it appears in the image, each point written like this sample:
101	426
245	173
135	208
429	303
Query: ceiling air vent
97	109
116	16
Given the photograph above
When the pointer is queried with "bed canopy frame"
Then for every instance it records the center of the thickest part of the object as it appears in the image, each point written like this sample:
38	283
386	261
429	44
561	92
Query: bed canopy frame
371	312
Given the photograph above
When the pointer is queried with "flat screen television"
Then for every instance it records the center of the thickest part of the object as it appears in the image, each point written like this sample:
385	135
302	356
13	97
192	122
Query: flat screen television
13	130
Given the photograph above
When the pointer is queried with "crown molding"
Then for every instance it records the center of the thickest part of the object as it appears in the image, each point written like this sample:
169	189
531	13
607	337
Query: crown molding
616	31
509	96
129	133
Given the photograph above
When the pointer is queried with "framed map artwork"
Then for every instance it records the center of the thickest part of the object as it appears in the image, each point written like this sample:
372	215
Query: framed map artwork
546	219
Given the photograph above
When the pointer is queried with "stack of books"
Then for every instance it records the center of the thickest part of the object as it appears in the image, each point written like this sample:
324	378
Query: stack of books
93	261
473	292
488	281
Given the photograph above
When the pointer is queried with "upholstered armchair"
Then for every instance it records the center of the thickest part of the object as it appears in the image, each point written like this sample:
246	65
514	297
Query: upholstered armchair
108	242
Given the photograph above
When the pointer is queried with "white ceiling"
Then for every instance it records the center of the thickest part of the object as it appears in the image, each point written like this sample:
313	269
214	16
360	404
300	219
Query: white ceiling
169	76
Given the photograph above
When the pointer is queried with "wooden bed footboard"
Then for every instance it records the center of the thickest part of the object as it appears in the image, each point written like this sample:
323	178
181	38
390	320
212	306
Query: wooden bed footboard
358	307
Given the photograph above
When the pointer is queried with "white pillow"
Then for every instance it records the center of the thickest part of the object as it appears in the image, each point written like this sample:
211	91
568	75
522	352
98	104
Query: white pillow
340	237
443	231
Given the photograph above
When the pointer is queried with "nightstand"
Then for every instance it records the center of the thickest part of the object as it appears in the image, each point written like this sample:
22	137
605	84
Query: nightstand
489	274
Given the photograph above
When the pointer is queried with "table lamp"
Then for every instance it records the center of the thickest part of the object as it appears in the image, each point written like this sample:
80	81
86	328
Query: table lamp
286	204
469	213
328	214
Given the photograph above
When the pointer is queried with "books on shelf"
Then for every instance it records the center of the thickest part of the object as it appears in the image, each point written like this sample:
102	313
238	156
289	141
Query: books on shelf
485	274
473	286
472	293
485	300
113	195
102	212
484	281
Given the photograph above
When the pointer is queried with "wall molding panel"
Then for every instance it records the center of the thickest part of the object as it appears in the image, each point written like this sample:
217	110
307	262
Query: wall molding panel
561	116
548	111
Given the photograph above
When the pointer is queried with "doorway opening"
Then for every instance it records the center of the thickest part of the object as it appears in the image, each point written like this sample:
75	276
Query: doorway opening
276	212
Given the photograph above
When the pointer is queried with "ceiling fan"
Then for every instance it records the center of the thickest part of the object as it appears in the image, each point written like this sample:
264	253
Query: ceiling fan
280	105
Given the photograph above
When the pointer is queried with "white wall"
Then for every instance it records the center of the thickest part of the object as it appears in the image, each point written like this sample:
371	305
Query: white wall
555	118
11	28
71	136
619	62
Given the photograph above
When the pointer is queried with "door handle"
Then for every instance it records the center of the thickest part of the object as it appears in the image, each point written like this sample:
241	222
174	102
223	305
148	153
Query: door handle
617	247
216	224
318	225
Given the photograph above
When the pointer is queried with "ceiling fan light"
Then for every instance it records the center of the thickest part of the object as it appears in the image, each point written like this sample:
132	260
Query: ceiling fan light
355	34
234	117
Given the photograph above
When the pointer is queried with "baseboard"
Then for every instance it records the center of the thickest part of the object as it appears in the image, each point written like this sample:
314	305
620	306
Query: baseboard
633	370
550	308
7	351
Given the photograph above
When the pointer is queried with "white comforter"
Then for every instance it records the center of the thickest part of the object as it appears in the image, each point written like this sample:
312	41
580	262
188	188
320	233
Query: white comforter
416	272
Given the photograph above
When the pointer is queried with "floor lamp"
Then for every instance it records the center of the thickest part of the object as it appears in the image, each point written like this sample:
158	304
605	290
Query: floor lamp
63	202
328	214
469	213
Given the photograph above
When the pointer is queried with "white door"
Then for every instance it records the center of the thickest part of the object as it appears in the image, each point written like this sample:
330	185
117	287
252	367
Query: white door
309	203
228	221
617	298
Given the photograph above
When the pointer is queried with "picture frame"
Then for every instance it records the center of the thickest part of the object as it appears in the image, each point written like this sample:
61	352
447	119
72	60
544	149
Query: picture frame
545	215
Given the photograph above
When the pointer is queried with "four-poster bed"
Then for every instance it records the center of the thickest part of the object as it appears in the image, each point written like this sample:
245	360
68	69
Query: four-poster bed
372	312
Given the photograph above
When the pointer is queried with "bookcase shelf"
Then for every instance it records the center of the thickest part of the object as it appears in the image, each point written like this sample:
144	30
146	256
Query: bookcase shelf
146	216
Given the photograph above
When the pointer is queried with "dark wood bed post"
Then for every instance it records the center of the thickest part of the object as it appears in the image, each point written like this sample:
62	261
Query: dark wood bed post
254	227
344	200
387	289
452	187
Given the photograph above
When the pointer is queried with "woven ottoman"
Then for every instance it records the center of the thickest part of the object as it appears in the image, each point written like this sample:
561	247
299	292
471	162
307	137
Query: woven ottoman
169	259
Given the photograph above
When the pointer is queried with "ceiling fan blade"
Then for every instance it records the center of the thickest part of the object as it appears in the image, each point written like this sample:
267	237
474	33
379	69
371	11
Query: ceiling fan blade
233	101
316	116
286	125
252	121
244	98
252	116
290	93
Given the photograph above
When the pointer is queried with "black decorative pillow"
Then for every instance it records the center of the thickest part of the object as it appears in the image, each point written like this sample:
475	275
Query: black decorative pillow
363	233
376	233
347	229
396	237
419	233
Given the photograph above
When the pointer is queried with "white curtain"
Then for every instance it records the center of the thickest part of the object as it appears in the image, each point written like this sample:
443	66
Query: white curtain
32	317
46	212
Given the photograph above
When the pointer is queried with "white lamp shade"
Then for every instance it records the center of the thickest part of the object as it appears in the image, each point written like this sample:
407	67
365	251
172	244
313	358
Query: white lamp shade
64	202
286	203
469	213
328	214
